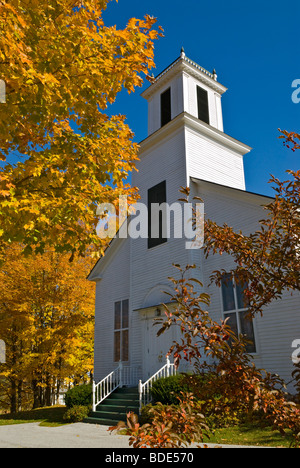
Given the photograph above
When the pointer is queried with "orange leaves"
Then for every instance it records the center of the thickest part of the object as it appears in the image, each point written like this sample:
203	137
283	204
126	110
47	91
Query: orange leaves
240	386
291	139
267	259
172	426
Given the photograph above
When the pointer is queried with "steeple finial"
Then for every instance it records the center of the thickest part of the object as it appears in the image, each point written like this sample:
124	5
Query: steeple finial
215	76
182	54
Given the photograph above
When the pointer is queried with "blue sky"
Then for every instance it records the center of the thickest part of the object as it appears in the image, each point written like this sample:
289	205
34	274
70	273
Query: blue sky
254	47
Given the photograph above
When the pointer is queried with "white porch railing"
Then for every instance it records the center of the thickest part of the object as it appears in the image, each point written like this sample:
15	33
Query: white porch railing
127	376
145	388
122	376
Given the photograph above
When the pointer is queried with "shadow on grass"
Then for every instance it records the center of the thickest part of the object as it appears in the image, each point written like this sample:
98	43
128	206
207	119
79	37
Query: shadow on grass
50	416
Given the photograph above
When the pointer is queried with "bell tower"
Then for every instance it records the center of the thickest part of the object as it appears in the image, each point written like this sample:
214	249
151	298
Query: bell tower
186	95
184	87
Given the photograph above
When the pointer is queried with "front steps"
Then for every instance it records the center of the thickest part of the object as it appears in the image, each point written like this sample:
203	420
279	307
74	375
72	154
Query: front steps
115	408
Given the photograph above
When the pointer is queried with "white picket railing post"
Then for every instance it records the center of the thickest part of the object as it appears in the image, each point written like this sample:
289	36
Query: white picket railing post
145	388
121	374
168	366
94	396
141	395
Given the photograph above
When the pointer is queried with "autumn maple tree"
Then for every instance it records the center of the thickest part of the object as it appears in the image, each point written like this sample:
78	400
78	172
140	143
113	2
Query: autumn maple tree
47	324
62	154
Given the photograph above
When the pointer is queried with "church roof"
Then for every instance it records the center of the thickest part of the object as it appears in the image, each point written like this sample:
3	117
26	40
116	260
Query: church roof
187	60
185	63
247	192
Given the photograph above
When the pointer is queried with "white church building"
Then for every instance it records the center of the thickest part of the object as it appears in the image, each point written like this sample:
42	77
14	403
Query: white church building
186	147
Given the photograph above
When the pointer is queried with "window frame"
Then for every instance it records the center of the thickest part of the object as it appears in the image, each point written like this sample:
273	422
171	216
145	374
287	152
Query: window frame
152	241
118	352
238	312
165	116
199	107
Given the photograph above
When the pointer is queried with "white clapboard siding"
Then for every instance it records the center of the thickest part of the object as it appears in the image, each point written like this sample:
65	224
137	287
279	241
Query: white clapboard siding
211	161
114	286
150	268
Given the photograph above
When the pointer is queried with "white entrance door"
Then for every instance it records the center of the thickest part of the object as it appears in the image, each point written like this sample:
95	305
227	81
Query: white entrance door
155	348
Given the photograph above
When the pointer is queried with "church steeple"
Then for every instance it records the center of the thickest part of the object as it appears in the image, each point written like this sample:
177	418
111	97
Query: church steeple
184	86
185	123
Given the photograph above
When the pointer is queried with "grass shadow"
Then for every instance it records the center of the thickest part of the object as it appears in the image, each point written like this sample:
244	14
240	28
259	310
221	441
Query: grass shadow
50	416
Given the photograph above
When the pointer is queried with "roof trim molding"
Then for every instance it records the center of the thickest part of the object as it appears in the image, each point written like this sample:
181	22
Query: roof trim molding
185	119
227	187
103	262
180	65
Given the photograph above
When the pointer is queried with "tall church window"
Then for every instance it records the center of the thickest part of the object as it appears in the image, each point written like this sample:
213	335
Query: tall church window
235	309
156	218
203	108
165	105
121	331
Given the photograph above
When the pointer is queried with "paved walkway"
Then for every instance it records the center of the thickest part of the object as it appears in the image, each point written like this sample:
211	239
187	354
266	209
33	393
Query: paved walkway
80	435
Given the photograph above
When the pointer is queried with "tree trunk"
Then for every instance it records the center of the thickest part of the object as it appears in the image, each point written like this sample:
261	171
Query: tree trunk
36	395
13	398
20	388
48	391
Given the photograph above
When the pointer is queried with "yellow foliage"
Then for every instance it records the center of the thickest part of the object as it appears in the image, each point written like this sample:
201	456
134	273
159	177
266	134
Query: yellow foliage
63	67
46	318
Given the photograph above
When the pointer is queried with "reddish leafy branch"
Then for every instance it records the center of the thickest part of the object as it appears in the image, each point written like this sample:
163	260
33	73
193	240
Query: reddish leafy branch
291	139
213	347
267	260
171	427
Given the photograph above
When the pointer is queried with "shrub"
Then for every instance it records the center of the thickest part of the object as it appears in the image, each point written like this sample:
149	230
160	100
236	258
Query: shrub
76	414
217	409
79	396
168	390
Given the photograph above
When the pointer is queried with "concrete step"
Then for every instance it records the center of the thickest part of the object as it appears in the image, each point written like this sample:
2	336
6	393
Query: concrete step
119	402
116	407
123	396
102	421
114	415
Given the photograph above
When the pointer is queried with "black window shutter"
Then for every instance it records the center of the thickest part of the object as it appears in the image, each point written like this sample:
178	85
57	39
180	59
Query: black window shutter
203	109
165	102
157	194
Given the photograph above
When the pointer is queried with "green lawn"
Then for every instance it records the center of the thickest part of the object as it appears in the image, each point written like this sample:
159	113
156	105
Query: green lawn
247	434
52	416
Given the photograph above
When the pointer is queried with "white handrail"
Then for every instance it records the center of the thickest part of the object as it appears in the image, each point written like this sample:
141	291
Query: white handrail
105	388
122	376
145	396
